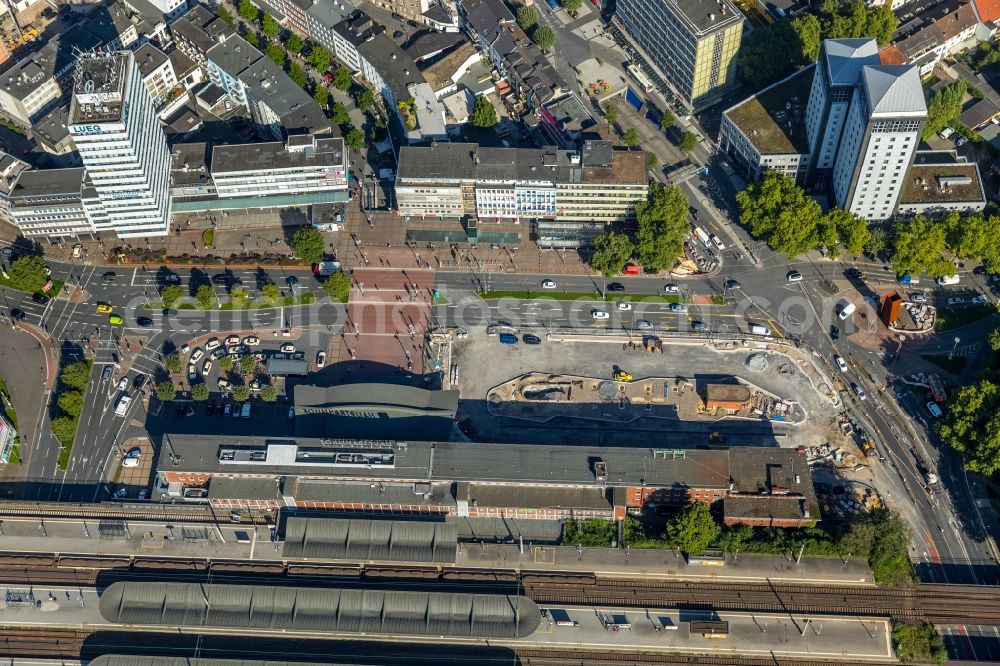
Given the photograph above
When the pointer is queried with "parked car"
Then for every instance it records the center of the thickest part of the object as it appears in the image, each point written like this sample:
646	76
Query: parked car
917	297
121	492
206	368
192	371
217	354
934	409
251	341
616	286
644	325
106	375
548	284
671	289
860	392
531	339
213	343
196	355
978	299
732	285
793	276
841	363
287	348
599	314
172	278
232	340
123	384
508	339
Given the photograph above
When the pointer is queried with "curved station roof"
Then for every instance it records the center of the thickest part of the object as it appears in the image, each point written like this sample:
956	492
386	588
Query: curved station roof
320	610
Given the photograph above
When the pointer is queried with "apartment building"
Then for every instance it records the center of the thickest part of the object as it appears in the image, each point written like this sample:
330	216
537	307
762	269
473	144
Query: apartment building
564	193
30	87
934	31
197	30
693	43
48	204
157	71
114	126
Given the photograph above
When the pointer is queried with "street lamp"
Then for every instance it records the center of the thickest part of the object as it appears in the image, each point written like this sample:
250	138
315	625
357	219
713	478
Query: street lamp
954	347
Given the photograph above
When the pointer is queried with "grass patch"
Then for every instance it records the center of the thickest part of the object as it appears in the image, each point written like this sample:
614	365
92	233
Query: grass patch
57	286
916	643
7	408
949	318
14	456
579	296
258	304
718	300
64	427
954	365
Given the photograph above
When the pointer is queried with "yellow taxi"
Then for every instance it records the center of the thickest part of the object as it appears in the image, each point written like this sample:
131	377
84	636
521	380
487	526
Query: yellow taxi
104	308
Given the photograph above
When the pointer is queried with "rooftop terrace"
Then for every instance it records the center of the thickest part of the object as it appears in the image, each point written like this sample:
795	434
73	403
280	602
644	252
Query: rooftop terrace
924	184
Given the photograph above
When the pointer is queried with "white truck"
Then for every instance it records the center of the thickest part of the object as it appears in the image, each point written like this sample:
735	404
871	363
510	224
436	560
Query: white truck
122	407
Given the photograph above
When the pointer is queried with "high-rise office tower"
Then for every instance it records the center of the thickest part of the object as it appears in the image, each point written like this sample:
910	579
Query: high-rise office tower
880	137
114	127
692	42
837	74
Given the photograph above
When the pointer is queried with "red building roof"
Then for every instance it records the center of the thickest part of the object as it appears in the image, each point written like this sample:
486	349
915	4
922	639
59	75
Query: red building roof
988	10
891	55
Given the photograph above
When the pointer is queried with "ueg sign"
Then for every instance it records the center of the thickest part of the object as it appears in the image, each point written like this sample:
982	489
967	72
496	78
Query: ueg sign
86	129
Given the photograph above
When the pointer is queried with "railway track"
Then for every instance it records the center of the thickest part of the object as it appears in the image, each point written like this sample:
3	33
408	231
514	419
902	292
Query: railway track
155	512
596	658
50	643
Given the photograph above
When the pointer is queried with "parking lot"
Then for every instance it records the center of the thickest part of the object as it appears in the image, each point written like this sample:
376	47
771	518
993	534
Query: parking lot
134	478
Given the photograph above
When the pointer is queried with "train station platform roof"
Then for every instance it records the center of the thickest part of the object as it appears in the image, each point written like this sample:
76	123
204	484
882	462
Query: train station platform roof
367	540
334	611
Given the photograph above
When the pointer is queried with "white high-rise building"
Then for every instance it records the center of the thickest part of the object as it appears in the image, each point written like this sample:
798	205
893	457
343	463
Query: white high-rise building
879	140
836	77
114	127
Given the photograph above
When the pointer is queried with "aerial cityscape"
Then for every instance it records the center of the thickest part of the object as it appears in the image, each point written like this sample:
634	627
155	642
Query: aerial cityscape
410	332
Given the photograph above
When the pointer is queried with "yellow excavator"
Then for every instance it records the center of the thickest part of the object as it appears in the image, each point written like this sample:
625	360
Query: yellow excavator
621	376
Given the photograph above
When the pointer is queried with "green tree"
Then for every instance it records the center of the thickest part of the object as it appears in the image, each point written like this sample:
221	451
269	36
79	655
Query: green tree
205	296
631	138
918	247
28	273
241	393
355	139
591	533
668	120
270	26
527	17
249	11
918	643
227	17
972	426
652	162
297	74
611	115
269	393
662	225
853	20
611	251
572	6
170	294
851	230
71	402
166	391
944	107
768	54
319	58
308	244
76	375
339	114
994	339
199	392
877	241
239	297
692	529
365	100
974	237
544	38
276	53
253	39
777	210
342	78
172	362
270	291
64	429
889	557
807	35
689	141
322	95
483	113
248	364
226	363
338	287
294	43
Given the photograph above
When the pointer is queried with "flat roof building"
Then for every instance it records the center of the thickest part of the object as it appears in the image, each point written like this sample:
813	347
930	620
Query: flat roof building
48	203
692	43
471	480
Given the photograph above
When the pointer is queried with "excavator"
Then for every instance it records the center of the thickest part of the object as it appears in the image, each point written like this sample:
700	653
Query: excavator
620	375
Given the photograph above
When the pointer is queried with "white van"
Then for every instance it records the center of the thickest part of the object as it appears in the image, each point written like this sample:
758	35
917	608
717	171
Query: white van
847	311
757	329
122	407
948	280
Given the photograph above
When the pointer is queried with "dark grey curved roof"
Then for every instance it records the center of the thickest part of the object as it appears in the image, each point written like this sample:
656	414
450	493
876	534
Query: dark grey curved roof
144	660
364	540
332	610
